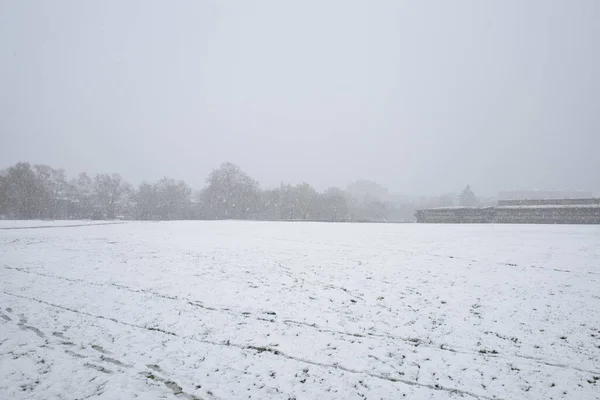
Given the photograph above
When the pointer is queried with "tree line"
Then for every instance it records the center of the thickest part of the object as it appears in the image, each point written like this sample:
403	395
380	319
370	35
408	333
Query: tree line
41	192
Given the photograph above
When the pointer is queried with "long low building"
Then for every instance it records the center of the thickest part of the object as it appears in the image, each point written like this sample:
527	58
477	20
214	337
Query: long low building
569	211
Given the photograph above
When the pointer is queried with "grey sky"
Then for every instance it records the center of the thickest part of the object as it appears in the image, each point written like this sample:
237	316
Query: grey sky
420	96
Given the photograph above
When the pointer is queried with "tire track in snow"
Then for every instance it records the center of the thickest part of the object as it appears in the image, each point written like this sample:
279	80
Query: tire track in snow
243	314
194	303
261	349
95	363
420	253
286	271
415	342
503	263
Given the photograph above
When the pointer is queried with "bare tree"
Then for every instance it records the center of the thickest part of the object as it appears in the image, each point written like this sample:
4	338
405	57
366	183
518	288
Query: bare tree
173	199
333	205
230	193
82	196
52	188
4	203
110	192
23	192
43	192
145	202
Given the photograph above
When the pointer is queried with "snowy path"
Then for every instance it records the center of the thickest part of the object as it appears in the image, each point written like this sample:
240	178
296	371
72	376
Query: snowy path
231	310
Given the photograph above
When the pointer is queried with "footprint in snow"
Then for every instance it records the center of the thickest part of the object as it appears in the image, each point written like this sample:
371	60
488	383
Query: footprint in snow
154	367
113	361
100	349
98	368
35	330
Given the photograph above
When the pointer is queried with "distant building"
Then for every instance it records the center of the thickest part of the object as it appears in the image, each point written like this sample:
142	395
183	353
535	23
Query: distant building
529	211
542	194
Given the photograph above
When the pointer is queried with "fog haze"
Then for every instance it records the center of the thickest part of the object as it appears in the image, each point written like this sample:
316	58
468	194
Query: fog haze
421	97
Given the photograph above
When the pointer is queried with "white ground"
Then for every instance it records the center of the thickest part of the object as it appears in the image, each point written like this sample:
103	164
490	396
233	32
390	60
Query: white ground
238	310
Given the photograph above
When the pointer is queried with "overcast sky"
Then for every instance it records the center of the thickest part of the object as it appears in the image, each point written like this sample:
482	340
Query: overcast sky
420	96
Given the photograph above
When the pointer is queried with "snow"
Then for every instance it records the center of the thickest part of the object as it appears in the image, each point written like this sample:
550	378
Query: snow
273	310
26	224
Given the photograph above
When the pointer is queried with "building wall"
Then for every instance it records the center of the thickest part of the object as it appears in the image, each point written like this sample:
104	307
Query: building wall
548	202
526	214
461	215
548	215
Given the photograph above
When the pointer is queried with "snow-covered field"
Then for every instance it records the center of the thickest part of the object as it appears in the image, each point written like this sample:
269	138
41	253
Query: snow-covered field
238	310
